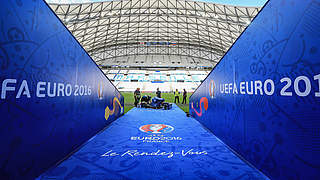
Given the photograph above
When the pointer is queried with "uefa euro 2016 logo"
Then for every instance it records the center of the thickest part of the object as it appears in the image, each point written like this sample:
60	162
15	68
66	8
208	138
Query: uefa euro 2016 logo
156	128
211	88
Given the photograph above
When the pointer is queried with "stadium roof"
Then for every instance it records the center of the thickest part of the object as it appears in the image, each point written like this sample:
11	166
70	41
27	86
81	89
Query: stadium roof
247	3
155	33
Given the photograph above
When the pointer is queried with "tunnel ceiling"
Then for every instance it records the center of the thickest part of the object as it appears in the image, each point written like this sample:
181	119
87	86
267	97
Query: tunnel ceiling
147	32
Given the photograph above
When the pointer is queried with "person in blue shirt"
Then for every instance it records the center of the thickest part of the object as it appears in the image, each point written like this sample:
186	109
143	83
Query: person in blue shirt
158	93
137	96
184	101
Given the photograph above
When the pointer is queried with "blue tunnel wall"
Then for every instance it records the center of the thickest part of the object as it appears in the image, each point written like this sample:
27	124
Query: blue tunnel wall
263	98
53	96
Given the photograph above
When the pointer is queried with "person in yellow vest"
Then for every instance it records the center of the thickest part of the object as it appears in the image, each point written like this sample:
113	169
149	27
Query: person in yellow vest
176	96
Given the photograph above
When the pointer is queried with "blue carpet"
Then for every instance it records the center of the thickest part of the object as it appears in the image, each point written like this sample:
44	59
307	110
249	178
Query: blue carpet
181	150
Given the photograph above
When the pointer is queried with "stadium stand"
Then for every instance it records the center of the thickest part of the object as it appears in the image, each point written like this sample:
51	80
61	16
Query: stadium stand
149	81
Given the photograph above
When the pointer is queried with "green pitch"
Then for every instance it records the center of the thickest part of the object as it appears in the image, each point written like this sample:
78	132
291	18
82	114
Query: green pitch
169	97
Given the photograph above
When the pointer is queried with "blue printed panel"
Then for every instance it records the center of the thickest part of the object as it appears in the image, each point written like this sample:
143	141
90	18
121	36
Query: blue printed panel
263	98
132	149
53	96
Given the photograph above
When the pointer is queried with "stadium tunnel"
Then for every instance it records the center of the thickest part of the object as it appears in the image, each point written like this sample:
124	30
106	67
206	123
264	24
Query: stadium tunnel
254	116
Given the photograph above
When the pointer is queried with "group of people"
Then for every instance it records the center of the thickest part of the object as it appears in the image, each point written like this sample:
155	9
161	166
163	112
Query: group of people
137	96
177	97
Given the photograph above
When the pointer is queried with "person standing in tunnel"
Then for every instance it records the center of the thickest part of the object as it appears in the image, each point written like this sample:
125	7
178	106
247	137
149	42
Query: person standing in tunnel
184	101
158	93
176	96
137	96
